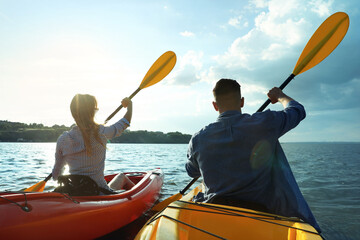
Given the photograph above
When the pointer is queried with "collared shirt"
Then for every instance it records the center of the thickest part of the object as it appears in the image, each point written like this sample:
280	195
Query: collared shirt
239	157
70	150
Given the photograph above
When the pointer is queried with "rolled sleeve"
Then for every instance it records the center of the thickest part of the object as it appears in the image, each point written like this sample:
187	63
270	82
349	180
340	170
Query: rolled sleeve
116	129
288	118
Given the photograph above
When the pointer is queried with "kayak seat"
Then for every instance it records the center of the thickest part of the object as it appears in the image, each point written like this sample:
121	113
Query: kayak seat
80	185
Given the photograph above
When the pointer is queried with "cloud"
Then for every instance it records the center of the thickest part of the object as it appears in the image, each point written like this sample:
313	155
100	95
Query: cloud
275	34
238	22
280	28
187	34
210	75
189	70
349	90
265	55
234	21
253	50
260	3
344	95
239	54
321	7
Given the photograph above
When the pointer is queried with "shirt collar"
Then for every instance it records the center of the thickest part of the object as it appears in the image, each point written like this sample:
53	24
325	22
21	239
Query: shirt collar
229	114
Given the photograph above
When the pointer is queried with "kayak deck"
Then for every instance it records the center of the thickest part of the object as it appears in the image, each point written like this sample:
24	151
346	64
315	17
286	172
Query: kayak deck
53	215
185	219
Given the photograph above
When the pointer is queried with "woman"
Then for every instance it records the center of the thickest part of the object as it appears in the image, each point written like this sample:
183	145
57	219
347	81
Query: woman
83	148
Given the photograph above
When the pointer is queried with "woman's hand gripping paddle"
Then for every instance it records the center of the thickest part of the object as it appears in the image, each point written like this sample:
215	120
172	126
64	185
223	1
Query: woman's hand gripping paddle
325	39
160	69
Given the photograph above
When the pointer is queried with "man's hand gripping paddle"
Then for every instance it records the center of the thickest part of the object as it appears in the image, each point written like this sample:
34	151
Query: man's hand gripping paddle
325	39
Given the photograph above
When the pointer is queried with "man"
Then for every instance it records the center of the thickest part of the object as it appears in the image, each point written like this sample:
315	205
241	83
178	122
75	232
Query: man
240	158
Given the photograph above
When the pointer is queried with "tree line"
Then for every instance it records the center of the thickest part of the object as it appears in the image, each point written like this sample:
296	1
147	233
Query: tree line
22	132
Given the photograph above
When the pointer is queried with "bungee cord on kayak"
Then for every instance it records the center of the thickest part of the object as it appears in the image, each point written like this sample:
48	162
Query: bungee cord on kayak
70	198
226	213
233	212
25	207
189	225
230	212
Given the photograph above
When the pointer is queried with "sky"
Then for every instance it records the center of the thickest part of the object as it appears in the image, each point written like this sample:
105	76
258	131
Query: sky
51	50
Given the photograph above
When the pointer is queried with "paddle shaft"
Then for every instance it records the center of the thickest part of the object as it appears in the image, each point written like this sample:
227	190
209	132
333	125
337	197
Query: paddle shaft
48	177
286	82
121	106
188	186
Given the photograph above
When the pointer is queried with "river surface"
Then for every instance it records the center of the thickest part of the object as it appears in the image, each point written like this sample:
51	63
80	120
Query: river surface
328	174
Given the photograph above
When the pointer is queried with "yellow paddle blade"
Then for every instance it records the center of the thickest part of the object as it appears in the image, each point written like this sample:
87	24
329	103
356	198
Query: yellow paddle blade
39	187
163	204
326	38
160	69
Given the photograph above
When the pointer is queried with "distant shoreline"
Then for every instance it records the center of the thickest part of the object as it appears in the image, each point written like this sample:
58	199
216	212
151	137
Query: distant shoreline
21	132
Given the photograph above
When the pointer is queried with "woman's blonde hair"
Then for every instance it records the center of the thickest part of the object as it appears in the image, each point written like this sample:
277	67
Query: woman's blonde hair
83	108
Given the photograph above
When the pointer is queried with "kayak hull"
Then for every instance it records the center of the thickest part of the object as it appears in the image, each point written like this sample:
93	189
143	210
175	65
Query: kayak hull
57	216
185	219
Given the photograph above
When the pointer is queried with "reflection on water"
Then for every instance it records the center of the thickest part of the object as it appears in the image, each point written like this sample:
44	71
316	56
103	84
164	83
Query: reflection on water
24	163
328	174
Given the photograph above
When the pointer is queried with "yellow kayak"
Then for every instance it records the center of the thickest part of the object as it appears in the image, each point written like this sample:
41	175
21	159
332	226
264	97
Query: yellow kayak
185	219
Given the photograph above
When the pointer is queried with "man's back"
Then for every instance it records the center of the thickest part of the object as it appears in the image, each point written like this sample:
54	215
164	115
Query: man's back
235	154
241	159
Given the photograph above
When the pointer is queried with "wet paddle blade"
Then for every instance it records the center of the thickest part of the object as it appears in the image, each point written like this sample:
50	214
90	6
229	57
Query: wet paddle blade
326	38
163	204
38	187
160	69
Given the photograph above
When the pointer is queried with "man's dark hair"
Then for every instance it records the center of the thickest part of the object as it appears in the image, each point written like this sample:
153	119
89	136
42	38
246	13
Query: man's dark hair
225	86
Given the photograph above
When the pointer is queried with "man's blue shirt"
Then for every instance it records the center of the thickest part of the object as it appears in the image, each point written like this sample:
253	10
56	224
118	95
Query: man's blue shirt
239	157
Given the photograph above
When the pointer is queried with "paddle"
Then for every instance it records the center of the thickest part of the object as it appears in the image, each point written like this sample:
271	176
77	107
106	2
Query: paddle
325	39
161	205
38	187
160	69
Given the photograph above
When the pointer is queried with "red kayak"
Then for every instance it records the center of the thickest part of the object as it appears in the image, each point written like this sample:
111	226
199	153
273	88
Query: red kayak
50	215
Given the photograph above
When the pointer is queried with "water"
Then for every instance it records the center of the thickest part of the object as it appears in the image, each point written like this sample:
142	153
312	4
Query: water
328	174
